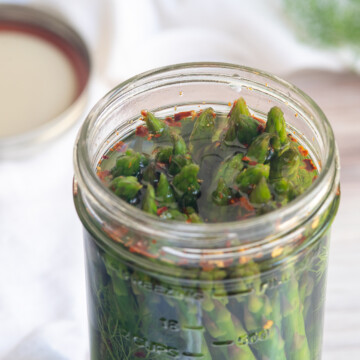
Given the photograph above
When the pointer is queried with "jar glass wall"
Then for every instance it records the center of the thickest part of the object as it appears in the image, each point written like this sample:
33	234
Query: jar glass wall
253	289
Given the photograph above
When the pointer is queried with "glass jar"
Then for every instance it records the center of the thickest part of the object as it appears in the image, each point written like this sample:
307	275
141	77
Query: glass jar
158	289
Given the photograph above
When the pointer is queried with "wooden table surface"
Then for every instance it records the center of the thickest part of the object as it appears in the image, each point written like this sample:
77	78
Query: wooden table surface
338	95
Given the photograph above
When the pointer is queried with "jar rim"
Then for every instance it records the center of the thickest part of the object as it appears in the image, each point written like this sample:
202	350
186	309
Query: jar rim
327	180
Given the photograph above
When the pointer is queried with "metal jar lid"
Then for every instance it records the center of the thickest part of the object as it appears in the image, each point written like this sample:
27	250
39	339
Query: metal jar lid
50	29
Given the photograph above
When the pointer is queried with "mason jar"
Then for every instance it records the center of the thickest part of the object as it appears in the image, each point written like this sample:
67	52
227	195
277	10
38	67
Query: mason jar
252	289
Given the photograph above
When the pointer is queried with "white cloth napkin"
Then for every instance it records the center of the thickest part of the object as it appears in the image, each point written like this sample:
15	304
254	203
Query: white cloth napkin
42	290
148	34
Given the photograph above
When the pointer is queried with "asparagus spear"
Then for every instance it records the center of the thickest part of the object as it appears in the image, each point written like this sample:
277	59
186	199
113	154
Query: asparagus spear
164	192
247	129
260	311
186	186
164	154
296	344
149	174
193	217
203	129
202	133
273	347
179	145
149	204
193	333
261	149
129	164
178	162
251	176
180	155
261	193
221	327
222	194
276	125
285	164
155	126
228	170
173	214
239	108
126	187
241	125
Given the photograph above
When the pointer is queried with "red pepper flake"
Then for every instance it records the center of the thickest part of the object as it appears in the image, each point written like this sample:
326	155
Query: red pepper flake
249	161
149	138
261	121
182	115
116	233
144	113
120	146
303	151
141	131
244	203
171	122
176	124
105	157
246	216
206	266
140	248
153	241
309	165
233	201
338	191
218	143
103	174
292	138
260	129
161	210
157	135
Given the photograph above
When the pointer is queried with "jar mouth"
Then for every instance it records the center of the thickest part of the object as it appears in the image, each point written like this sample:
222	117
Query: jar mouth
280	221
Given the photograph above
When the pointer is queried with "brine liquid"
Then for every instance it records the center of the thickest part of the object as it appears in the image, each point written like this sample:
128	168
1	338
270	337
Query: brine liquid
209	161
